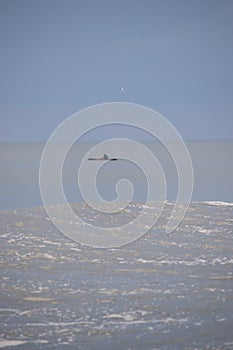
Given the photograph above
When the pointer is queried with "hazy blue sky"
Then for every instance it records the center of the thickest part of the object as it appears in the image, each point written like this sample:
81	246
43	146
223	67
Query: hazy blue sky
58	56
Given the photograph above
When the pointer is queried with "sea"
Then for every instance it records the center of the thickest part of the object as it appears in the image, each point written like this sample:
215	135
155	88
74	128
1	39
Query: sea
162	291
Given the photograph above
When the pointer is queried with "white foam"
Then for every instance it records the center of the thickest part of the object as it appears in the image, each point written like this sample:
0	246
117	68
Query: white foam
135	318
143	261
5	235
204	230
219	203
121	317
5	343
127	317
9	310
53	243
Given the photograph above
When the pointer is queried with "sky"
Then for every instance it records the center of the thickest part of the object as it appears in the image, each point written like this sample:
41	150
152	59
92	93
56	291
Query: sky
60	56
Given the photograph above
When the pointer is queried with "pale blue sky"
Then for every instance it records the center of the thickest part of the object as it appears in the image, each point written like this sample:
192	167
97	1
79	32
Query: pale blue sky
57	57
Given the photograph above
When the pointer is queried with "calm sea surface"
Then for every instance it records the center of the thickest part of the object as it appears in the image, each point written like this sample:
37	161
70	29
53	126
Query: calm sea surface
19	179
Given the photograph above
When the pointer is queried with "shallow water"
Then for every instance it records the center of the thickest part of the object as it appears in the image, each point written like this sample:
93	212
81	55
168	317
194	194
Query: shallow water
164	291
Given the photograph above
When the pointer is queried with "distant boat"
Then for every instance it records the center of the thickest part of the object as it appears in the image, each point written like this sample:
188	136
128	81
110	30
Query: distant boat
105	157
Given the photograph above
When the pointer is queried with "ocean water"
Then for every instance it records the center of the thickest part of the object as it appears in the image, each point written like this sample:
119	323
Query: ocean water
163	291
19	179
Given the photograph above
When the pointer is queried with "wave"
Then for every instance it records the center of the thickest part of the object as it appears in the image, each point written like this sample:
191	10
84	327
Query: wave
134	204
218	203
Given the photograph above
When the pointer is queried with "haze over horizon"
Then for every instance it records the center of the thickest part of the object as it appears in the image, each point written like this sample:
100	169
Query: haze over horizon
58	57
